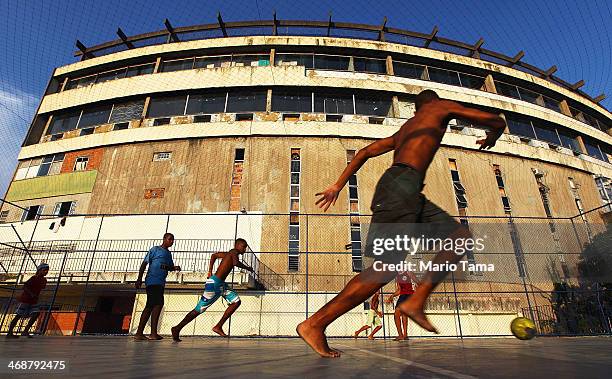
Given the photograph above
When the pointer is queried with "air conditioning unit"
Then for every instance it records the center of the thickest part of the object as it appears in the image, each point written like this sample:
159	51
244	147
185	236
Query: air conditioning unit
538	173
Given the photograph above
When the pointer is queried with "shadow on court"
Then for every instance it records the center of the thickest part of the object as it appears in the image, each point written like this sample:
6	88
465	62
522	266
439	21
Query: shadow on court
122	357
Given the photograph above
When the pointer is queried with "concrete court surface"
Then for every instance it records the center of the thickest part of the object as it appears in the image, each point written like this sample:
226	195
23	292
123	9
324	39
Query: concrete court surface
197	357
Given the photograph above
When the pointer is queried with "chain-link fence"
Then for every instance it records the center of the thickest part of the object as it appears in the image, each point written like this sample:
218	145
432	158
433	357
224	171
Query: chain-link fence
555	271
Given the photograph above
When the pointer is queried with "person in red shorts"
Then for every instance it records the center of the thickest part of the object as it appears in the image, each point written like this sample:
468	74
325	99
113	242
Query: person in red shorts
404	288
28	301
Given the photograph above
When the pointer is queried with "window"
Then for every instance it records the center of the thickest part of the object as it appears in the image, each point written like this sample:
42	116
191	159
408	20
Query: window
94	116
294	211
167	106
32	212
123	112
520	127
111	75
376	66
64	122
604	187
462	204
212	62
507	90
331	62
250	60
593	150
502	189
547	134
162	156
212	102
177	65
568	141
81	82
471	81
530	96
140	70
444	76
236	182
334	103
3	216
246	101
408	70
354	223
291	101
64	208
458	187
50	165
306	60
80	164
372	105
552	104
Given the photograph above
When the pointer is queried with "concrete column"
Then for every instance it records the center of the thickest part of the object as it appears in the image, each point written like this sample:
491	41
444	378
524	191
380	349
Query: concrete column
272	54
269	101
64	84
157	65
145	108
583	149
490	84
506	129
389	64
44	133
565	108
395	106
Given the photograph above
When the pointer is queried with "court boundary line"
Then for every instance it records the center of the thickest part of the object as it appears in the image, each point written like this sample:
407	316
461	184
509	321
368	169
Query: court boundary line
407	362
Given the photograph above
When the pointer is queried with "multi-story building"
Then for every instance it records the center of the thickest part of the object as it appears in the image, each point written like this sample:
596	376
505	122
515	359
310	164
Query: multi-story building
219	122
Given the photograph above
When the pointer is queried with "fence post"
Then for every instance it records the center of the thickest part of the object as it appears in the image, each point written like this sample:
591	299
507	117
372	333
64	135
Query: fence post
382	308
457	304
229	326
604	319
93	256
307	272
43	329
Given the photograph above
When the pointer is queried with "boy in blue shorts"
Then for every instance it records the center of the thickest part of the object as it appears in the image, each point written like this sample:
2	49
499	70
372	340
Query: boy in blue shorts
216	287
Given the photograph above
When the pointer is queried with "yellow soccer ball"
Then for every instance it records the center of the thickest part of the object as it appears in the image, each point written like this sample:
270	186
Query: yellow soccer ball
523	328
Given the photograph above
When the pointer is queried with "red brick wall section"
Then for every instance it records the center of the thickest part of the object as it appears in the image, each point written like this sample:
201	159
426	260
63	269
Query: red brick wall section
95	159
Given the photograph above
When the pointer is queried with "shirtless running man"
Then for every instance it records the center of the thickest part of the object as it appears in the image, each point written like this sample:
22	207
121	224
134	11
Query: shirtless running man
398	199
216	287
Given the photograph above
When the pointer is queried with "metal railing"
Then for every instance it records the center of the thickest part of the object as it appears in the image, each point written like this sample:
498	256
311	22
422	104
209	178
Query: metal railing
547	273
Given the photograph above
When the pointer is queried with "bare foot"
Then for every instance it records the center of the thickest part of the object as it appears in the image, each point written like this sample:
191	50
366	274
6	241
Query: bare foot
155	337
315	338
417	315
140	337
399	338
219	331
175	334
356	335
370	337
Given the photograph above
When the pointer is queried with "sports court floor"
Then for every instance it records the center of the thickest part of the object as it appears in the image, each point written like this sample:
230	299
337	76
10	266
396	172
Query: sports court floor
122	357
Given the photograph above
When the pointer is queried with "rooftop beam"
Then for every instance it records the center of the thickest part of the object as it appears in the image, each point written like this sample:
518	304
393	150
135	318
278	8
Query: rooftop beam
83	49
475	49
578	84
124	38
383	27
431	36
329	24
549	72
221	24
274	25
517	58
170	29
599	98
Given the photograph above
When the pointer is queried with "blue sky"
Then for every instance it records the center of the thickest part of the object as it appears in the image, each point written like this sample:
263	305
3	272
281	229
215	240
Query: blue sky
36	36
